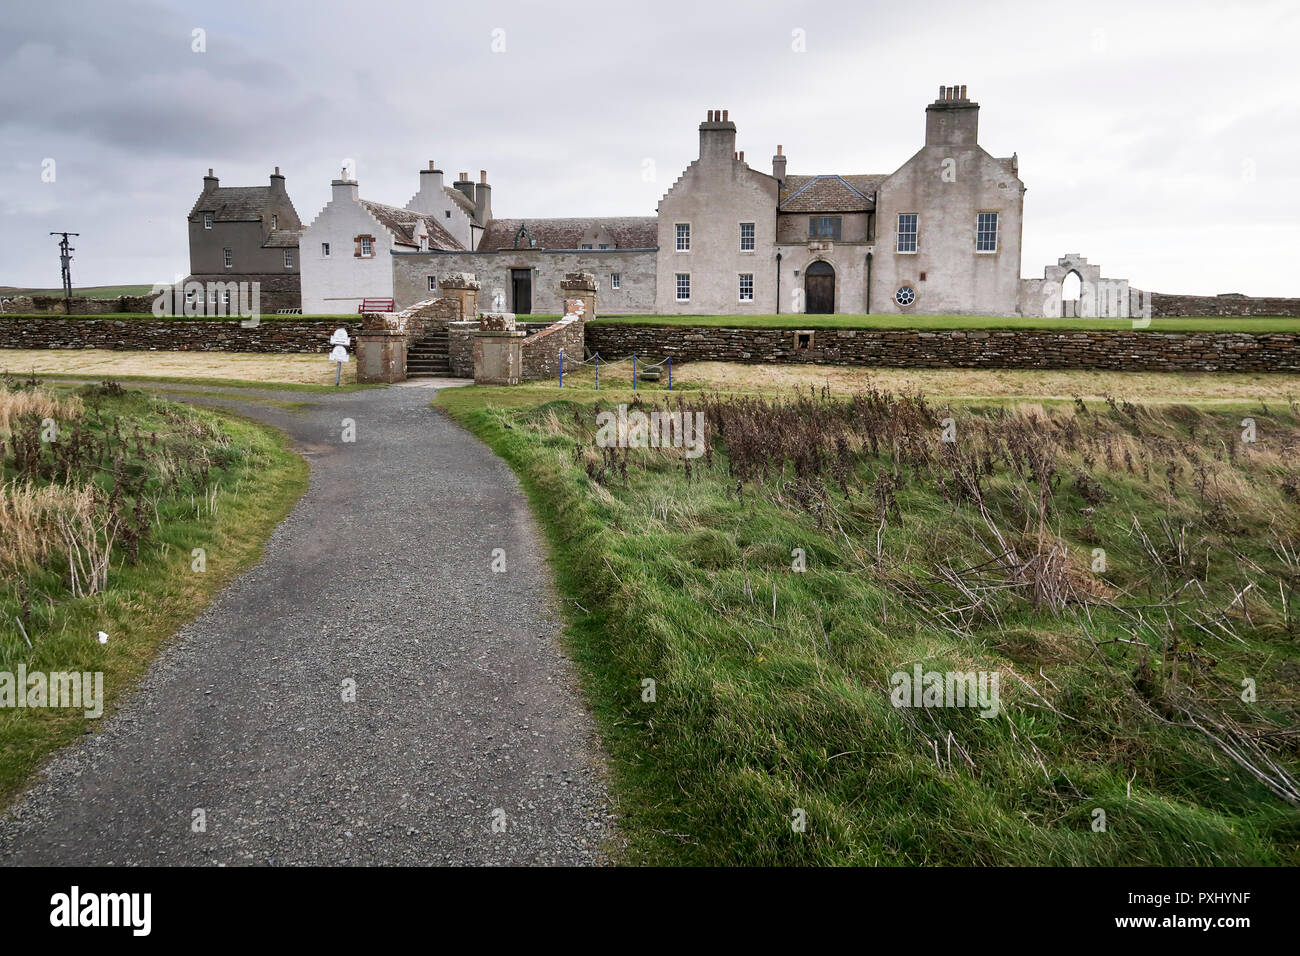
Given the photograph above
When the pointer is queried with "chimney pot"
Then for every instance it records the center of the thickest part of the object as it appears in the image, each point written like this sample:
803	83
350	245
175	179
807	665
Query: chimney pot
710	119
277	170
431	166
963	91
778	150
724	116
209	170
742	155
482	175
940	92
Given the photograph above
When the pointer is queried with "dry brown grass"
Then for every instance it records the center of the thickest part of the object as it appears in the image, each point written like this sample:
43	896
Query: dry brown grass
1150	388
303	368
32	519
15	404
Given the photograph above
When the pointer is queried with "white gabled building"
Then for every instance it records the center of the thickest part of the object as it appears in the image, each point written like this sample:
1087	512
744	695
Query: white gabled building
463	209
346	252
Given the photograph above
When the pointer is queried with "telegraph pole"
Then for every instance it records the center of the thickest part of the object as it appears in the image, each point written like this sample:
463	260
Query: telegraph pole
65	260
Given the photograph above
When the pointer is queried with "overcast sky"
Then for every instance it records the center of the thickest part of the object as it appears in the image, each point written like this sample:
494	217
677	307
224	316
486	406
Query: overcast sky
1161	140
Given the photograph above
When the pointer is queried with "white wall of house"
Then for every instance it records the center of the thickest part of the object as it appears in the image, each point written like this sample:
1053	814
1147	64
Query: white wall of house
432	200
337	283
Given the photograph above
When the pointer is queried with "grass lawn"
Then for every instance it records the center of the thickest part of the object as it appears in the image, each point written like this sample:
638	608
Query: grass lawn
1229	390
86	292
1121	686
162	479
941	322
303	371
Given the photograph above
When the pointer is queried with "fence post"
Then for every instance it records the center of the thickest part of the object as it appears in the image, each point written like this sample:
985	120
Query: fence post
598	371
634	373
670	373
561	368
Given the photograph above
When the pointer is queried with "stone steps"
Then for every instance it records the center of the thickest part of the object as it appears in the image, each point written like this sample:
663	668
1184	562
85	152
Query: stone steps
427	357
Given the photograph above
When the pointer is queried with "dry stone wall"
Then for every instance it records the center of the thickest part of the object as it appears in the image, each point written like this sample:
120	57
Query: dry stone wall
1118	350
181	335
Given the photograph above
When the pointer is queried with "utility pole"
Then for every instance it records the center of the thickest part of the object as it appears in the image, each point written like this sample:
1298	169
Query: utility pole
65	261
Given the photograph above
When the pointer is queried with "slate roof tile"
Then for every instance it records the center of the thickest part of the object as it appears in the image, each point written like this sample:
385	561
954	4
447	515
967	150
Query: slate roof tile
626	232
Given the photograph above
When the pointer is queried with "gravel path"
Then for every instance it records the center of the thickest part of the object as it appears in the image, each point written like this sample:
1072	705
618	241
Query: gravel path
466	709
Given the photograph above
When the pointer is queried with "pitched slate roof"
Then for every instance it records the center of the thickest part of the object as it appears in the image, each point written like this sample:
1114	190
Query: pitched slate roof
401	223
234	203
464	201
830	193
282	238
626	232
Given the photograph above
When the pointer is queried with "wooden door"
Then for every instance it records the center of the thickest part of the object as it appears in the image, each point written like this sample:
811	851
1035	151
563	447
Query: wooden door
819	289
522	282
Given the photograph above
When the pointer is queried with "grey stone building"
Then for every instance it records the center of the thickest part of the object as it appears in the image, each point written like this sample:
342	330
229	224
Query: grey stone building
939	234
527	259
247	234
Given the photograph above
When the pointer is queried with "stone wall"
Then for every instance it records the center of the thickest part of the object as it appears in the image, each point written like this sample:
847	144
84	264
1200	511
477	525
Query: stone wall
1165	305
1118	350
541	352
635	268
460	348
57	305
183	335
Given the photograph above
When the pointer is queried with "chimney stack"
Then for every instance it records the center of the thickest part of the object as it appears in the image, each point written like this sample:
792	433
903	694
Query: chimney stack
482	199
429	198
718	139
210	182
343	189
778	164
952	119
465	185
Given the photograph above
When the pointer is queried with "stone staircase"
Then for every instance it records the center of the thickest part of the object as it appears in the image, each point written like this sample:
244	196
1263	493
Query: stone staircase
426	357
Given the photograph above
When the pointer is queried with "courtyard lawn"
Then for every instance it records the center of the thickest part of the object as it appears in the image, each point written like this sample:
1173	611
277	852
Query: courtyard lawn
1226	389
306	371
948	322
177	479
771	737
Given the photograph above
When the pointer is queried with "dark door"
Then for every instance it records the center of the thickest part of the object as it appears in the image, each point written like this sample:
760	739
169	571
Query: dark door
819	289
522	282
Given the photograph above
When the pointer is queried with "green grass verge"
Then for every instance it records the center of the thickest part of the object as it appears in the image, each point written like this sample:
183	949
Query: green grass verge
772	687
949	322
214	382
254	481
85	292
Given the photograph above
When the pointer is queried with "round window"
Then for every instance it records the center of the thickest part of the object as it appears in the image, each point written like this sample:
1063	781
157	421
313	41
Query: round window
905	295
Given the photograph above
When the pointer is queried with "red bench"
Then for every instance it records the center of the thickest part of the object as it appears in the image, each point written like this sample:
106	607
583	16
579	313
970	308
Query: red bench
375	305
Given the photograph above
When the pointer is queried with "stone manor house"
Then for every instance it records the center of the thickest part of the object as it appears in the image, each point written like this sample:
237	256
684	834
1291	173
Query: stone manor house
940	234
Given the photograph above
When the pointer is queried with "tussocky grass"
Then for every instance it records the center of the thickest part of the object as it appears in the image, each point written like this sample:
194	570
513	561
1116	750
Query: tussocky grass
254	482
772	686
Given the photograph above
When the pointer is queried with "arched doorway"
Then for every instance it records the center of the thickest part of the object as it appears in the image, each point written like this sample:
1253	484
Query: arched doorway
1071	292
819	288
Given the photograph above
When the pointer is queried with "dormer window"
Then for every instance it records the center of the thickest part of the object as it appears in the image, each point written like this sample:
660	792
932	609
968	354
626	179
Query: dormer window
275	222
207	220
424	243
